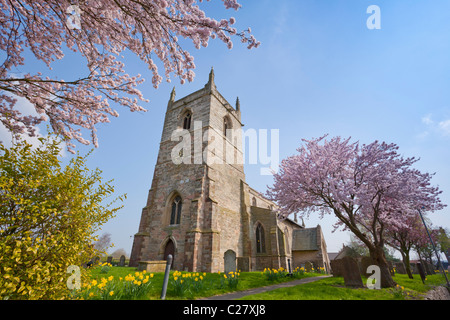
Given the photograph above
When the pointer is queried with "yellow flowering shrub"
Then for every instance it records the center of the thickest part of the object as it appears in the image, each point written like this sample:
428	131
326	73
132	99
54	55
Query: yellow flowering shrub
48	217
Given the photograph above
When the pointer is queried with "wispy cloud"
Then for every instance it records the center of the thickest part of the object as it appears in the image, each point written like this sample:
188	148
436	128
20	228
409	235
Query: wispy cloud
26	108
439	127
444	127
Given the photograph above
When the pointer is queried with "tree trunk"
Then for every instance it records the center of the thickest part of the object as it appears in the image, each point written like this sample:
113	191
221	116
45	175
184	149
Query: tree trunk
405	259
378	257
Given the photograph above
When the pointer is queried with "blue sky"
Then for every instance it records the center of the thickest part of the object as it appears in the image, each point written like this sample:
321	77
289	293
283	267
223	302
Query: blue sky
319	70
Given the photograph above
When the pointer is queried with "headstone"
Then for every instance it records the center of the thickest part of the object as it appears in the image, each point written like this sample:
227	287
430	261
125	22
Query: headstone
421	272
365	263
122	261
230	261
414	268
243	263
391	268
109	259
336	268
400	268
309	266
352	277
429	268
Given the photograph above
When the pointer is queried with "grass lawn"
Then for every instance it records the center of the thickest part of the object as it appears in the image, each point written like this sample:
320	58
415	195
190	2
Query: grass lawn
334	289
214	284
211	284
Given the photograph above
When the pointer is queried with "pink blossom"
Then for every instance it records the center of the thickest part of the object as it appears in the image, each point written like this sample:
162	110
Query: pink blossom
148	28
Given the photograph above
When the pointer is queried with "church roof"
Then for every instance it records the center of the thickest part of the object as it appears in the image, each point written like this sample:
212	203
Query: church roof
305	239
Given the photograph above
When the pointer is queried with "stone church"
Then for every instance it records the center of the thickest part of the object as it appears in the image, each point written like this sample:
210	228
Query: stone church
202	211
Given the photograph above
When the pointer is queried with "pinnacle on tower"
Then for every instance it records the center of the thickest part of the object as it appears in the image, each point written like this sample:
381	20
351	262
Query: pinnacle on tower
172	98
238	104
211	75
172	95
210	85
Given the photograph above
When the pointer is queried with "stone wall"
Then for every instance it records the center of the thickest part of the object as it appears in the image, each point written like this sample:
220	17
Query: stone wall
439	293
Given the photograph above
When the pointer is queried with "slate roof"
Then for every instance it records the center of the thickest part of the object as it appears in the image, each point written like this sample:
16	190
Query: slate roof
305	240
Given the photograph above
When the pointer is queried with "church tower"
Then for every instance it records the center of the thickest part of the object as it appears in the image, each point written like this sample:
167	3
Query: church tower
193	209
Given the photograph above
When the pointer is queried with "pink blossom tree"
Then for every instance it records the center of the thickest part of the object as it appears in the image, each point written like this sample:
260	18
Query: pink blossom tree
368	188
411	234
100	31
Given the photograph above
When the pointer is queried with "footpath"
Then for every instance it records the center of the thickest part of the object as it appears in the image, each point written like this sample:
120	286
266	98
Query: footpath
240	294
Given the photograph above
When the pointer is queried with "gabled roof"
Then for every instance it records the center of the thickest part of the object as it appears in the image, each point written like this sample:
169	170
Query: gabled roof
305	239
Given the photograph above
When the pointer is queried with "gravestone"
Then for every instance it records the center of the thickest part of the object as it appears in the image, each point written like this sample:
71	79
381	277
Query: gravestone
429	268
365	263
336	268
352	277
400	268
421	272
391	268
122	261
309	266
109	259
230	261
414	268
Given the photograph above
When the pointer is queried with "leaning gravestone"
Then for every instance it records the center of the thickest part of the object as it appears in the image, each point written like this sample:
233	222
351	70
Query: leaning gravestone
365	263
414	268
336	268
391	268
352	277
400	268
122	261
429	268
421	272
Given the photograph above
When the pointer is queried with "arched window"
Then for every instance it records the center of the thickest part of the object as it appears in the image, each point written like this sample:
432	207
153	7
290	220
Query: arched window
260	241
187	121
254	201
175	214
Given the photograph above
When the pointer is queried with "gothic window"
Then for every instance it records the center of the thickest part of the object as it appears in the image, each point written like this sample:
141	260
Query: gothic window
254	201
260	242
187	121
175	214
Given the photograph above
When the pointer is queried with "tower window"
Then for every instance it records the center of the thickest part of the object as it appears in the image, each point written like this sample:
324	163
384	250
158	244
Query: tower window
260	242
226	127
187	121
175	214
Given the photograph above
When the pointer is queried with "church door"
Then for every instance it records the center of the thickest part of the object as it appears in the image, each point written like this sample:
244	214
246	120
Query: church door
169	249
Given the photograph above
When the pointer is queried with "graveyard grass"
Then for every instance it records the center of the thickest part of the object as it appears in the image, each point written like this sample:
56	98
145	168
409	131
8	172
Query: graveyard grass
325	289
212	283
333	288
